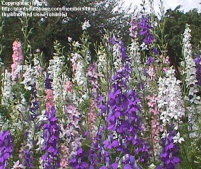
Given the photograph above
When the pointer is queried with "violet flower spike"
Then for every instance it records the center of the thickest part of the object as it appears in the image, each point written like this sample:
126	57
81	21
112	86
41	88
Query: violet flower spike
169	155
51	132
6	148
197	61
145	30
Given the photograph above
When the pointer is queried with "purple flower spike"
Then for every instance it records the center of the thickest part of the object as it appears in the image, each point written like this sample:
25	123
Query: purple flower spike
198	69
51	131
169	155
6	148
77	162
145	30
27	158
122	49
124	117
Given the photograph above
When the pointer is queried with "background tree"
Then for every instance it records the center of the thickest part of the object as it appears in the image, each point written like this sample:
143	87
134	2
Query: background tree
44	31
174	28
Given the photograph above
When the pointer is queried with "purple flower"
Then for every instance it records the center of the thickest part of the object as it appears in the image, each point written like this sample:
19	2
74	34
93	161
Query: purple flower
93	75
78	161
169	155
134	28
51	131
124	116
48	82
130	162
198	69
145	30
150	60
27	158
34	104
113	40
122	49
156	51
6	148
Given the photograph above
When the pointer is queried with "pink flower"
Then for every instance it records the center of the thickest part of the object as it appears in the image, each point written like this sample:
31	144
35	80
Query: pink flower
156	128
18	59
69	86
64	156
17	52
91	119
151	72
92	71
49	99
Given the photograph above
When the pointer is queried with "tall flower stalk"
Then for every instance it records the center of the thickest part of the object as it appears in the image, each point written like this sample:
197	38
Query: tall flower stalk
146	32
190	79
7	95
51	132
172	110
6	148
18	59
197	61
124	120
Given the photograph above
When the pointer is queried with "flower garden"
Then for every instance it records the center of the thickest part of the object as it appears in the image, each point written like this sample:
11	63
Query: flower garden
125	108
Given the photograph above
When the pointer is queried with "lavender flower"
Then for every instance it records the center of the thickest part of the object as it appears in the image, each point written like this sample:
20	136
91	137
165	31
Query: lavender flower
93	76
27	157
134	28
198	69
6	148
72	134
150	60
51	131
122	49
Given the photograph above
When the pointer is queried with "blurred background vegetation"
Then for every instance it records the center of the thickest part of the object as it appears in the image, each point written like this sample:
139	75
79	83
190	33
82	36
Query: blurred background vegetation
40	33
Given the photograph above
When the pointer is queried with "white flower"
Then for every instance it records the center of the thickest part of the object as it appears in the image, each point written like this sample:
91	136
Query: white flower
78	68
85	25
55	70
189	65
170	100
134	52
178	138
116	56
7	88
189	72
17	165
152	166
29	78
1	63
102	62
77	44
69	39
144	46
